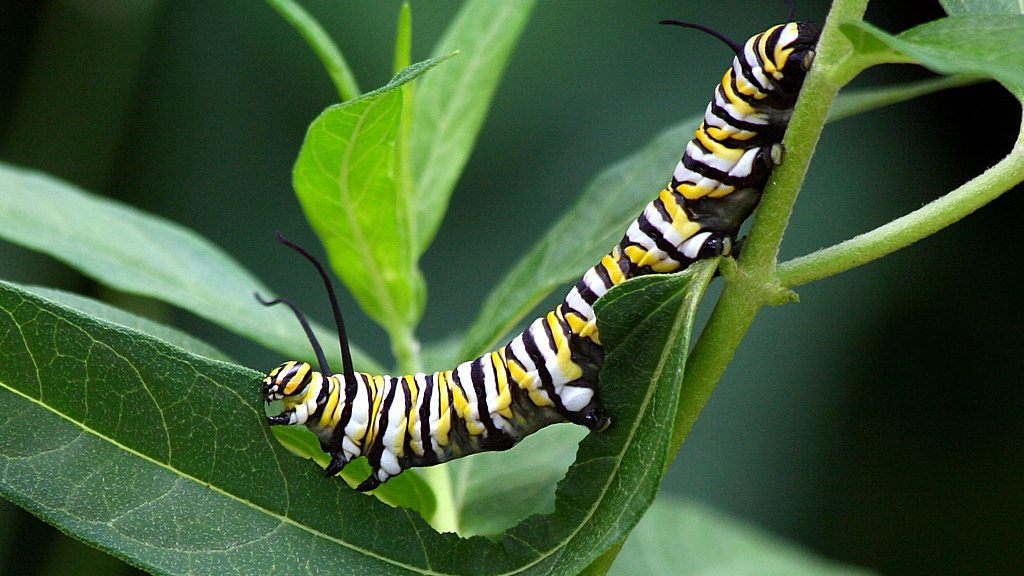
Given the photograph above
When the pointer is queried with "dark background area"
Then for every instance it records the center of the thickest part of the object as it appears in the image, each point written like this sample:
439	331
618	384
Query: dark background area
878	421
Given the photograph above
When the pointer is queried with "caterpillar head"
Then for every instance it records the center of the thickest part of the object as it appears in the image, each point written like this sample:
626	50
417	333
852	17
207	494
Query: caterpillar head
288	382
790	60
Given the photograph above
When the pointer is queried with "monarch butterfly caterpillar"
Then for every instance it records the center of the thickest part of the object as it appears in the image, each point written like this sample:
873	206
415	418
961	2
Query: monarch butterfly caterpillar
548	373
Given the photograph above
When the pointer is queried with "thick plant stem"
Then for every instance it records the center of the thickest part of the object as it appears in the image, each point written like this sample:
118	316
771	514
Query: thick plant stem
754	283
908	229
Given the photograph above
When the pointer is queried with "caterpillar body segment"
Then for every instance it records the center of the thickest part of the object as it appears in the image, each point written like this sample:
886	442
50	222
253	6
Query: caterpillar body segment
549	373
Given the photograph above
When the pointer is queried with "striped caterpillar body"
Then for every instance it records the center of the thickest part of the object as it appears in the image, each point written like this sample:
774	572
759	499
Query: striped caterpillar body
548	373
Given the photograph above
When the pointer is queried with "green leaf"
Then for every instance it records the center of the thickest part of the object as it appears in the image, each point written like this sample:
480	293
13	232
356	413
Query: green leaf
114	315
982	45
347	179
965	7
586	232
452	101
527	476
868	50
164	459
148	256
682	538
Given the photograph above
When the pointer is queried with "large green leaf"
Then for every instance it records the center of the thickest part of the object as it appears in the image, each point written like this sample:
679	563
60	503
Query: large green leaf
163	458
348	179
148	255
986	45
452	101
530	478
682	538
586	232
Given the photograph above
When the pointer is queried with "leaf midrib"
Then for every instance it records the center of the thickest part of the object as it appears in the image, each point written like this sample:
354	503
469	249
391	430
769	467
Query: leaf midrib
384	295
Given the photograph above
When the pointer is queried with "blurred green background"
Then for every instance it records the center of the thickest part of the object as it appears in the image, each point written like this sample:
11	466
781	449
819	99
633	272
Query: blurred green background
879	421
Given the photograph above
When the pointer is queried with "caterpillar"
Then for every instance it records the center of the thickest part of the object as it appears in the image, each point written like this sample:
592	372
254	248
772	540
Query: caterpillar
548	373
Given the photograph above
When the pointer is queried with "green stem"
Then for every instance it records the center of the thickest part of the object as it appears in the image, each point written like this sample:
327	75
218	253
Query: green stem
403	142
908	229
403	39
321	43
406	349
754	283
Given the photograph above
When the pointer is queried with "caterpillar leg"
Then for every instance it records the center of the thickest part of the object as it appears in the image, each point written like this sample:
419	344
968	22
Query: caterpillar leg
338	462
374	480
370	483
379	472
282	419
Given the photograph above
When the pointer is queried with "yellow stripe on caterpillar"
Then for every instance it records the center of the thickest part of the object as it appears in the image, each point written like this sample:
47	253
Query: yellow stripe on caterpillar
501	377
568	368
717	148
740	105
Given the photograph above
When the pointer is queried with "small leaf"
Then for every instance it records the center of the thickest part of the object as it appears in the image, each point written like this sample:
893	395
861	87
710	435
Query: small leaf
347	179
682	538
451	102
595	223
982	45
150	256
